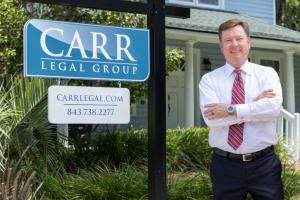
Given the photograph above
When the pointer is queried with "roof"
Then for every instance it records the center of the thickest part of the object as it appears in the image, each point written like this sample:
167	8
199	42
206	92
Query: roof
209	21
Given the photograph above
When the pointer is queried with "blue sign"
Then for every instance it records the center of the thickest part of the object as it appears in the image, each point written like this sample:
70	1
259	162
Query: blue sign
85	51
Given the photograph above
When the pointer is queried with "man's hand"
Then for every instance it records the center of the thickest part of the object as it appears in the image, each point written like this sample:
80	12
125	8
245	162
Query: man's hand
265	94
215	111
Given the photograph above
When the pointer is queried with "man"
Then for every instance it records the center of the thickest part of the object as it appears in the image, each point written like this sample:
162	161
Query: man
240	102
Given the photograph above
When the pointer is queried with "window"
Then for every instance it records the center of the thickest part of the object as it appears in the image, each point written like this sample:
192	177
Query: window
271	63
271	59
199	3
190	1
209	2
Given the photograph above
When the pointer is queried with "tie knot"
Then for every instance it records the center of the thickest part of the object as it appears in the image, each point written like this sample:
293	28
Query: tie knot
238	71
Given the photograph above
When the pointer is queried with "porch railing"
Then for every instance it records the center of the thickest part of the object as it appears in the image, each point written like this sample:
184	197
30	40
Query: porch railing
288	128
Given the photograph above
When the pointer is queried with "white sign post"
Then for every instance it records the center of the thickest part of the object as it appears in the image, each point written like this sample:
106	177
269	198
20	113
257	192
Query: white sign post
88	105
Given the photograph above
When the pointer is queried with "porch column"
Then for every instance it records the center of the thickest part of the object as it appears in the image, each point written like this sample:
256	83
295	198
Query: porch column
290	83
189	94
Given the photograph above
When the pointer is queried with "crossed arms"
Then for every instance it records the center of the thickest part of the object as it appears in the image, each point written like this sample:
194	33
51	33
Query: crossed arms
266	106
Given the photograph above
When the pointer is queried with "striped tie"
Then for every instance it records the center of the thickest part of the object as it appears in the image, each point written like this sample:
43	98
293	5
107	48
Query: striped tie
235	135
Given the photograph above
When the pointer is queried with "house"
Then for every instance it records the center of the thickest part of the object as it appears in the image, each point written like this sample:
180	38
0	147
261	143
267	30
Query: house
272	45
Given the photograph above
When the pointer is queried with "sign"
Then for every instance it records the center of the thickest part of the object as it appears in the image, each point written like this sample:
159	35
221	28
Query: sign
84	51
88	105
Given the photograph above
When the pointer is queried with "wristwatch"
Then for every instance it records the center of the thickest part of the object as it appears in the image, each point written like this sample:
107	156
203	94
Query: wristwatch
230	109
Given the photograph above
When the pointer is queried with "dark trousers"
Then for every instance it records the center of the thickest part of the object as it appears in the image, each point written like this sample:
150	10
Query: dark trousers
233	179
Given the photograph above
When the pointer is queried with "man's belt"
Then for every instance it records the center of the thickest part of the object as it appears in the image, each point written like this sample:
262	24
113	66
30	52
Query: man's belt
244	157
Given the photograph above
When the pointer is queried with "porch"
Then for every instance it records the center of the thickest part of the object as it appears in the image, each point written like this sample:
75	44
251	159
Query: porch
288	129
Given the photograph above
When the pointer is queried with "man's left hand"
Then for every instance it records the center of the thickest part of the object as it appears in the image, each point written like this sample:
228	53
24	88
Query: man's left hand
215	111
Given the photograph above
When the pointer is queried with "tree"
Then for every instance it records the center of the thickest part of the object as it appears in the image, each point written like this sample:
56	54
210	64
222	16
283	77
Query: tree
280	11
288	14
13	15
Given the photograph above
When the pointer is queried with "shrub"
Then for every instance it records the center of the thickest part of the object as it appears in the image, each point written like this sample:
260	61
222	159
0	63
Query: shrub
187	149
17	185
127	182
189	186
124	174
113	148
290	177
102	182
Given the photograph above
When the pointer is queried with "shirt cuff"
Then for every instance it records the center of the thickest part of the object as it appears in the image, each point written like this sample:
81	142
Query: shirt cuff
242	110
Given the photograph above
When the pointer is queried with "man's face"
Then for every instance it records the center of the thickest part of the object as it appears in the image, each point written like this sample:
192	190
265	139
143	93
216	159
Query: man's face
235	46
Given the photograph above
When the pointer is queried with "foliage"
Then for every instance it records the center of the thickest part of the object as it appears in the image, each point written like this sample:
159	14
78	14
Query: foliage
125	182
175	59
292	18
6	115
290	177
102	182
113	148
35	132
190	186
17	185
187	149
13	16
17	182
288	14
84	15
16	104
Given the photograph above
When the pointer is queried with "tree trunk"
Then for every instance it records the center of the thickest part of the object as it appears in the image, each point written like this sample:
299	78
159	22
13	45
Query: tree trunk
280	11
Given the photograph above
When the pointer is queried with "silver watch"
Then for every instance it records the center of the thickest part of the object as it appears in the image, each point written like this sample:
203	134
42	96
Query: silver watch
230	109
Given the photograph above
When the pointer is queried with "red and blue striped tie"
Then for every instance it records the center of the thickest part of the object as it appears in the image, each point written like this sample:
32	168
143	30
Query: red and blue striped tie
235	135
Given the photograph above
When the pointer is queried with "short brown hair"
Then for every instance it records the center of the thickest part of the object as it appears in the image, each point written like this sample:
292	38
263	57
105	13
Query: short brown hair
232	23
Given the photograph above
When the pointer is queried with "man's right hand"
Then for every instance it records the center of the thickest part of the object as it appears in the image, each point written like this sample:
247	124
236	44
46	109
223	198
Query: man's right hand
265	94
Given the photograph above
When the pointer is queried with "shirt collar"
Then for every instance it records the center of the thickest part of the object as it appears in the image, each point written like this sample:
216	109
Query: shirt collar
246	68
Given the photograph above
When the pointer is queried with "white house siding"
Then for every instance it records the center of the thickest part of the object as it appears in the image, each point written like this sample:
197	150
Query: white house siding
261	9
297	82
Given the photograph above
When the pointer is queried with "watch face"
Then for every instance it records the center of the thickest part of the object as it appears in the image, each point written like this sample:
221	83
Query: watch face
230	108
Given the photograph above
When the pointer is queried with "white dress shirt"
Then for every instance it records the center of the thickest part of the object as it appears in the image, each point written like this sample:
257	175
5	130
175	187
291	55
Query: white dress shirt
260	116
